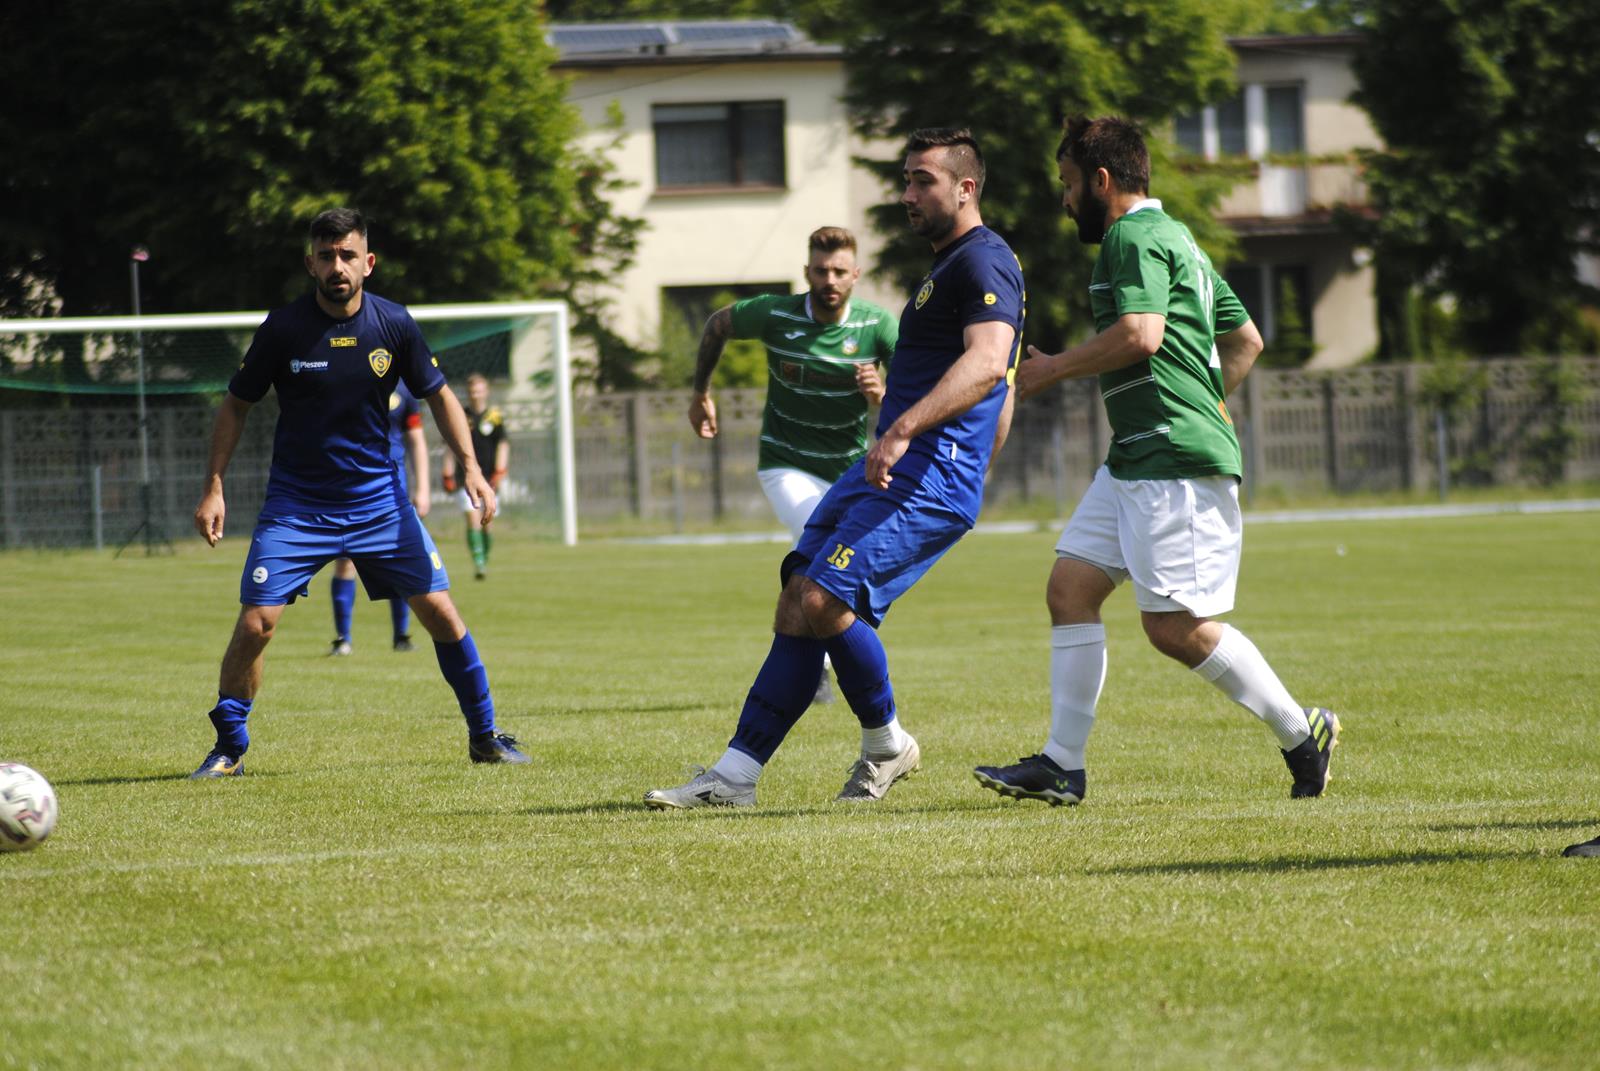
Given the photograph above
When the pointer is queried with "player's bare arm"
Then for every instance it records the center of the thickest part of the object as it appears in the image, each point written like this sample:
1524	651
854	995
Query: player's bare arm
417	452
210	513
451	420
1133	338
964	385
869	381
1238	349
1002	428
702	410
502	463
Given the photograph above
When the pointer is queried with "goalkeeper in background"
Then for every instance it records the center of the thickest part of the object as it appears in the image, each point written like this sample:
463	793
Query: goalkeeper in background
493	451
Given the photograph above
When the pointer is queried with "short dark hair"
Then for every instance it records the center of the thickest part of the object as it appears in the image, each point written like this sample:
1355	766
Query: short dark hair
831	240
964	157
1109	142
335	223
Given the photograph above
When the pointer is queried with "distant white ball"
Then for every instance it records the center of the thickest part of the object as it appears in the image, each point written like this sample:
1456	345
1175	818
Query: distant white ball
27	808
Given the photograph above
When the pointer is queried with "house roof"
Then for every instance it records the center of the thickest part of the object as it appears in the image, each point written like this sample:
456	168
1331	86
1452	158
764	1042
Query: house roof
732	40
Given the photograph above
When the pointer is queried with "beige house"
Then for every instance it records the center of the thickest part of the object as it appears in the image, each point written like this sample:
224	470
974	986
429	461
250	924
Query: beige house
737	144
1292	116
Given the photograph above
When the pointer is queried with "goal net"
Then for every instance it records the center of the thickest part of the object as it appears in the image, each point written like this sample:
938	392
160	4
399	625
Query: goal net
105	410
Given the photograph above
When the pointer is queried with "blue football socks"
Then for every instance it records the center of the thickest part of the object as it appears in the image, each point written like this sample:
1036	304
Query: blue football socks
228	716
783	690
863	672
344	604
400	616
463	671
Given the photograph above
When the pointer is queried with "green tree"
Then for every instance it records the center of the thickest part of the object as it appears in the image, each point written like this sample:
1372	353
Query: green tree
1012	70
211	130
1490	183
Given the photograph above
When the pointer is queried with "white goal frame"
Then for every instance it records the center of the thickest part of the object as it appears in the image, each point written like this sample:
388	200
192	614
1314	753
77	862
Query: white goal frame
525	355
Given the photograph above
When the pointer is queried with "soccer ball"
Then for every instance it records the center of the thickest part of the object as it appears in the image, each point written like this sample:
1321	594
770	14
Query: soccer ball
27	808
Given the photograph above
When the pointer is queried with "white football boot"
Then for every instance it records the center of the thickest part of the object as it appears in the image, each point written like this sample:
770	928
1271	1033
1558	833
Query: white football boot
870	778
705	789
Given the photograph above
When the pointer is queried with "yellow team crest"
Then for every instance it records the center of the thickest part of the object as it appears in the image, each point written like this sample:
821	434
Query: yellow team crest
925	293
380	360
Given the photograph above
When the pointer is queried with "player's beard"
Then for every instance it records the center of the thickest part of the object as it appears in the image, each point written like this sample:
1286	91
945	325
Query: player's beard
1091	218
329	289
830	301
933	226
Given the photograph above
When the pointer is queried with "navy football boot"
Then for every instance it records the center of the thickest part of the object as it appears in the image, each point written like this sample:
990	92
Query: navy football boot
218	764
496	747
1308	761
1035	777
1589	849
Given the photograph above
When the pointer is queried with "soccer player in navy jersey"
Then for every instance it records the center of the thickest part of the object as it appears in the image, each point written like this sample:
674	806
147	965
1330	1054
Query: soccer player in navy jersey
895	512
409	446
335	357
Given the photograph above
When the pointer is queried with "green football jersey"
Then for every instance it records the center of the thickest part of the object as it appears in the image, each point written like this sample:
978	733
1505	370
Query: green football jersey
1167	413
815	418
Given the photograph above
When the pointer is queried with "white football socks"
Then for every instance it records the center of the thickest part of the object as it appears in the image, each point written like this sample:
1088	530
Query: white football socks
737	768
1237	668
1077	673
884	742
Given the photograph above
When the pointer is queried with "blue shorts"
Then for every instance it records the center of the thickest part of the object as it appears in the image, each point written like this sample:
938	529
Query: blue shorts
868	546
392	552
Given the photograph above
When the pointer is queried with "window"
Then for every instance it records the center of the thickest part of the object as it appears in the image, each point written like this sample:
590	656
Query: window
1278	299
1261	119
736	144
1285	127
1190	133
1231	127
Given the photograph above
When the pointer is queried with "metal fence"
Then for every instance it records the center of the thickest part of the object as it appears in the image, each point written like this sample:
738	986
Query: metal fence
70	477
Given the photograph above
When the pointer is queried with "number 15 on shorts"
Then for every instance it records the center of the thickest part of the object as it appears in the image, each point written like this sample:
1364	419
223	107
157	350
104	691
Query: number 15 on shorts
840	558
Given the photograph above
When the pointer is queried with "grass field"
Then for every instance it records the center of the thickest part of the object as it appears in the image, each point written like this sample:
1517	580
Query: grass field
365	898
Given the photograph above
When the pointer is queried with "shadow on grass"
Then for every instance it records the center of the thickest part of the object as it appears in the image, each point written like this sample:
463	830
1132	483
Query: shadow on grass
713	814
1459	827
144	779
1349	862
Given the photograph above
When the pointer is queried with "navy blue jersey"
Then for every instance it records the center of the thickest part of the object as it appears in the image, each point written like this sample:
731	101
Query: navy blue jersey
332	451
974	279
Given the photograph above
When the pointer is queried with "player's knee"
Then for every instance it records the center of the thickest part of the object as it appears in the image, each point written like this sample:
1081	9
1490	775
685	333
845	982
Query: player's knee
438	617
256	628
824	612
1174	635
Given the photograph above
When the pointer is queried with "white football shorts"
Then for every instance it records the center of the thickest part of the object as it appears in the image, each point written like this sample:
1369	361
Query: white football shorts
793	494
1178	540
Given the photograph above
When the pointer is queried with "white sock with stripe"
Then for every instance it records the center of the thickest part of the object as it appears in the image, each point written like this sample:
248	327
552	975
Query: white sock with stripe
1240	672
1077	673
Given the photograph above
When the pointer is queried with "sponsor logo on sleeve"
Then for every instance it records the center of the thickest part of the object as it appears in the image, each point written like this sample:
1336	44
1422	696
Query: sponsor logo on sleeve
989	299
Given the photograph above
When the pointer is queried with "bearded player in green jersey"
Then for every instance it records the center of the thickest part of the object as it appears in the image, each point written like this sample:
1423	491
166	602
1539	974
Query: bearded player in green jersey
824	352
1173	342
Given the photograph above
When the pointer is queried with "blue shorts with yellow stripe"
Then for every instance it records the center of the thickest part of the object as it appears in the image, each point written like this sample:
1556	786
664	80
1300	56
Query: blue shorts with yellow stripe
392	551
867	546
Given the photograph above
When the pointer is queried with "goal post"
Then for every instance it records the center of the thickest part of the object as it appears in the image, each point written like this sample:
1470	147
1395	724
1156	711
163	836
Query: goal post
522	348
